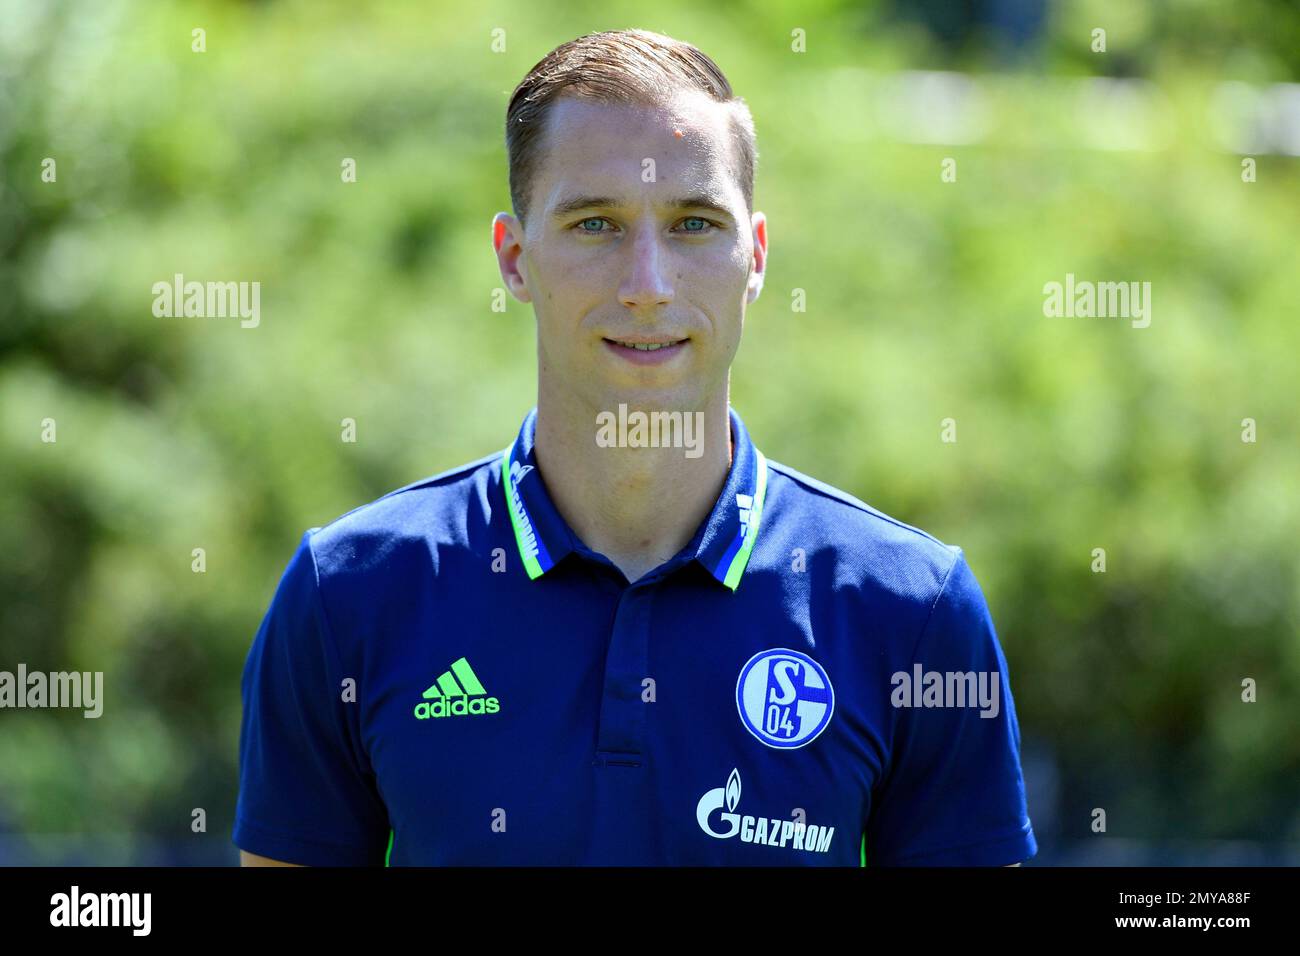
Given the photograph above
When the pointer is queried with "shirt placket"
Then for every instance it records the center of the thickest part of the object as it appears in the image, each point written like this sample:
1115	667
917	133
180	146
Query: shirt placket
622	827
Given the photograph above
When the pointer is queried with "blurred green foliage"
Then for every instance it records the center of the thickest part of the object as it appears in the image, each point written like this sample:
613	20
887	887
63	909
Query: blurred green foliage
924	302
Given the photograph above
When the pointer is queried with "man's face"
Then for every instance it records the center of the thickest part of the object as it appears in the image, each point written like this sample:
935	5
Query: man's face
637	233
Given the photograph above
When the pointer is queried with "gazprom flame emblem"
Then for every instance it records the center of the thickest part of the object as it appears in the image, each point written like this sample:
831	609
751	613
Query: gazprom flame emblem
733	789
785	698
727	796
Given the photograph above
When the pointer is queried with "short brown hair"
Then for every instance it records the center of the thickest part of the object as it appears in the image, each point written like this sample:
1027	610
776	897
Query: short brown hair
618	66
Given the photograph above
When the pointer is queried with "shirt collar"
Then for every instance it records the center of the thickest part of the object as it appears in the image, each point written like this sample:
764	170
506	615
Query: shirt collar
722	544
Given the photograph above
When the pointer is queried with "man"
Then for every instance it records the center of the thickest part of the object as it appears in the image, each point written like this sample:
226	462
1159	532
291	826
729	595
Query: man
629	638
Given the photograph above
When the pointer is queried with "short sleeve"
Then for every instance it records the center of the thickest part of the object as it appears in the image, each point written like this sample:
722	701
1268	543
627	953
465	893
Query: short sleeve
953	793
305	792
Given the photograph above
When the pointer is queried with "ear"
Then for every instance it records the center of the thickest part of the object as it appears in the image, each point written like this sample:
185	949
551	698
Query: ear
508	243
759	224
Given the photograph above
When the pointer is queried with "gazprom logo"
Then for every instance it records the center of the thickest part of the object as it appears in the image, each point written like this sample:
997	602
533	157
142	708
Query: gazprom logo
517	472
785	698
770	831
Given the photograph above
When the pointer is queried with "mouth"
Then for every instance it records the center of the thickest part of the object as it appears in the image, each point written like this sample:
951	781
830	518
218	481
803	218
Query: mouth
647	344
647	350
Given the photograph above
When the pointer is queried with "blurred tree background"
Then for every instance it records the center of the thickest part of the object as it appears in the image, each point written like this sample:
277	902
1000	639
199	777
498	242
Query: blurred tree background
924	302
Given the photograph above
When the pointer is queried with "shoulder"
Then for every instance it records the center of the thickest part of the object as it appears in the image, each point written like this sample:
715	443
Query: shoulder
865	551
438	511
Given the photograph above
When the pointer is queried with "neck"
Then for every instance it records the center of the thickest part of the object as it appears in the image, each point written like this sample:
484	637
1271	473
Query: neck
638	506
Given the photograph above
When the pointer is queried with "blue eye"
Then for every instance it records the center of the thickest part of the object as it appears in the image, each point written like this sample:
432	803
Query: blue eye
705	226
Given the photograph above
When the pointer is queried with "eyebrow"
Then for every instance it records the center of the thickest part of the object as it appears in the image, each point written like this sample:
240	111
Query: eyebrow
579	203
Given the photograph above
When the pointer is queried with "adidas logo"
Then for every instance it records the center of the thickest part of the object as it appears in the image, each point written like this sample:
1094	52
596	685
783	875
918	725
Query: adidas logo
525	525
456	693
745	505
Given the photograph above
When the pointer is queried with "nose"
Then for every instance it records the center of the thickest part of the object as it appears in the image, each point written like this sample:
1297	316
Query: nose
647	282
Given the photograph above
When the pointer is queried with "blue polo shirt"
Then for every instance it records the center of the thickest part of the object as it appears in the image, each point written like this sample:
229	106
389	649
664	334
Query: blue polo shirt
449	676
